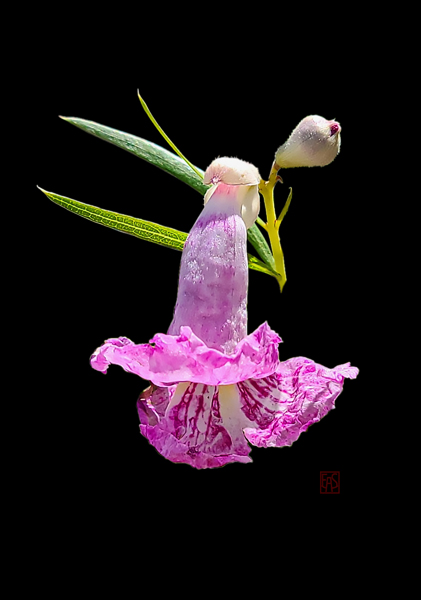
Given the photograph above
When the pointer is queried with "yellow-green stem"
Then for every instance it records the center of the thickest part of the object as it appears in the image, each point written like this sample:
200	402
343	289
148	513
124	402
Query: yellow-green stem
272	226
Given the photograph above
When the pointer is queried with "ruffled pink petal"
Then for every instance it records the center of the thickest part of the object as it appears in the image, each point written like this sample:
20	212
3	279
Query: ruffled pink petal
169	359
210	426
194	424
286	403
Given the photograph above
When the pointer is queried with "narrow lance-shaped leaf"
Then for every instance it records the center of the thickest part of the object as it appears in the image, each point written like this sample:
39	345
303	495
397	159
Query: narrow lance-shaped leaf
256	239
152	153
169	162
145	230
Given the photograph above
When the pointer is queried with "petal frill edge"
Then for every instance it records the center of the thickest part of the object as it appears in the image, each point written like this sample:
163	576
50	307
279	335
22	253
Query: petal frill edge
169	359
298	394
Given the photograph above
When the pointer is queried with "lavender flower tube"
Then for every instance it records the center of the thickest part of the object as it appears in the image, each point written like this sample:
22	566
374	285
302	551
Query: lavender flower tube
212	290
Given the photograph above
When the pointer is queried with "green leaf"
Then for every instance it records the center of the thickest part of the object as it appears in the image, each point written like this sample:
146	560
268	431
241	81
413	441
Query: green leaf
172	164
152	153
145	230
166	138
257	265
256	239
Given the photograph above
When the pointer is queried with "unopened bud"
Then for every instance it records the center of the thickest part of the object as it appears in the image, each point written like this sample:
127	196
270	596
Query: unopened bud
315	142
232	171
242	178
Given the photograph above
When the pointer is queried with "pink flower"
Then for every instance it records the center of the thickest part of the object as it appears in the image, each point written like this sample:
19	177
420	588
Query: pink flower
213	387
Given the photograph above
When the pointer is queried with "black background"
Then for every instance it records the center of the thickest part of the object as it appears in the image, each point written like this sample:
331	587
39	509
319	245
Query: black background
89	283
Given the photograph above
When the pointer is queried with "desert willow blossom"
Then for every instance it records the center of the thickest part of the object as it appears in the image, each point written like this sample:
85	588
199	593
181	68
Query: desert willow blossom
215	388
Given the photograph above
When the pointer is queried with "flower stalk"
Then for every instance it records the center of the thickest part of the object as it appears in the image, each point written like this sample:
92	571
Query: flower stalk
266	188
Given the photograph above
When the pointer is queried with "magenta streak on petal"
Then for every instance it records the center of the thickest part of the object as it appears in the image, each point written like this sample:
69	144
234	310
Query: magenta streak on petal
258	404
192	430
212	290
197	419
308	393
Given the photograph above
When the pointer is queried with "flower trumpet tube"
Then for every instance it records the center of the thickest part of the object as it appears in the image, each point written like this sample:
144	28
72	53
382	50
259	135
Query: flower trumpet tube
215	388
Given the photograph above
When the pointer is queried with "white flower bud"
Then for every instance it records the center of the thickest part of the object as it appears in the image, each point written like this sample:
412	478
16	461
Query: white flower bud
315	142
232	171
243	177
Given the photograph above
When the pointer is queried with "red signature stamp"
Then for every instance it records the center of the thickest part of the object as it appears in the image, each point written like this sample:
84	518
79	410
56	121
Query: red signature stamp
329	482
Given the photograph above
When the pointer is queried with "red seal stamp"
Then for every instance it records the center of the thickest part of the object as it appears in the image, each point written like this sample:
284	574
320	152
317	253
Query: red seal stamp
329	482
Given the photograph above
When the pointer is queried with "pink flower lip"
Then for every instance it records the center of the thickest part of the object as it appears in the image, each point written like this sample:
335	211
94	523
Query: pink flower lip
204	408
170	359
